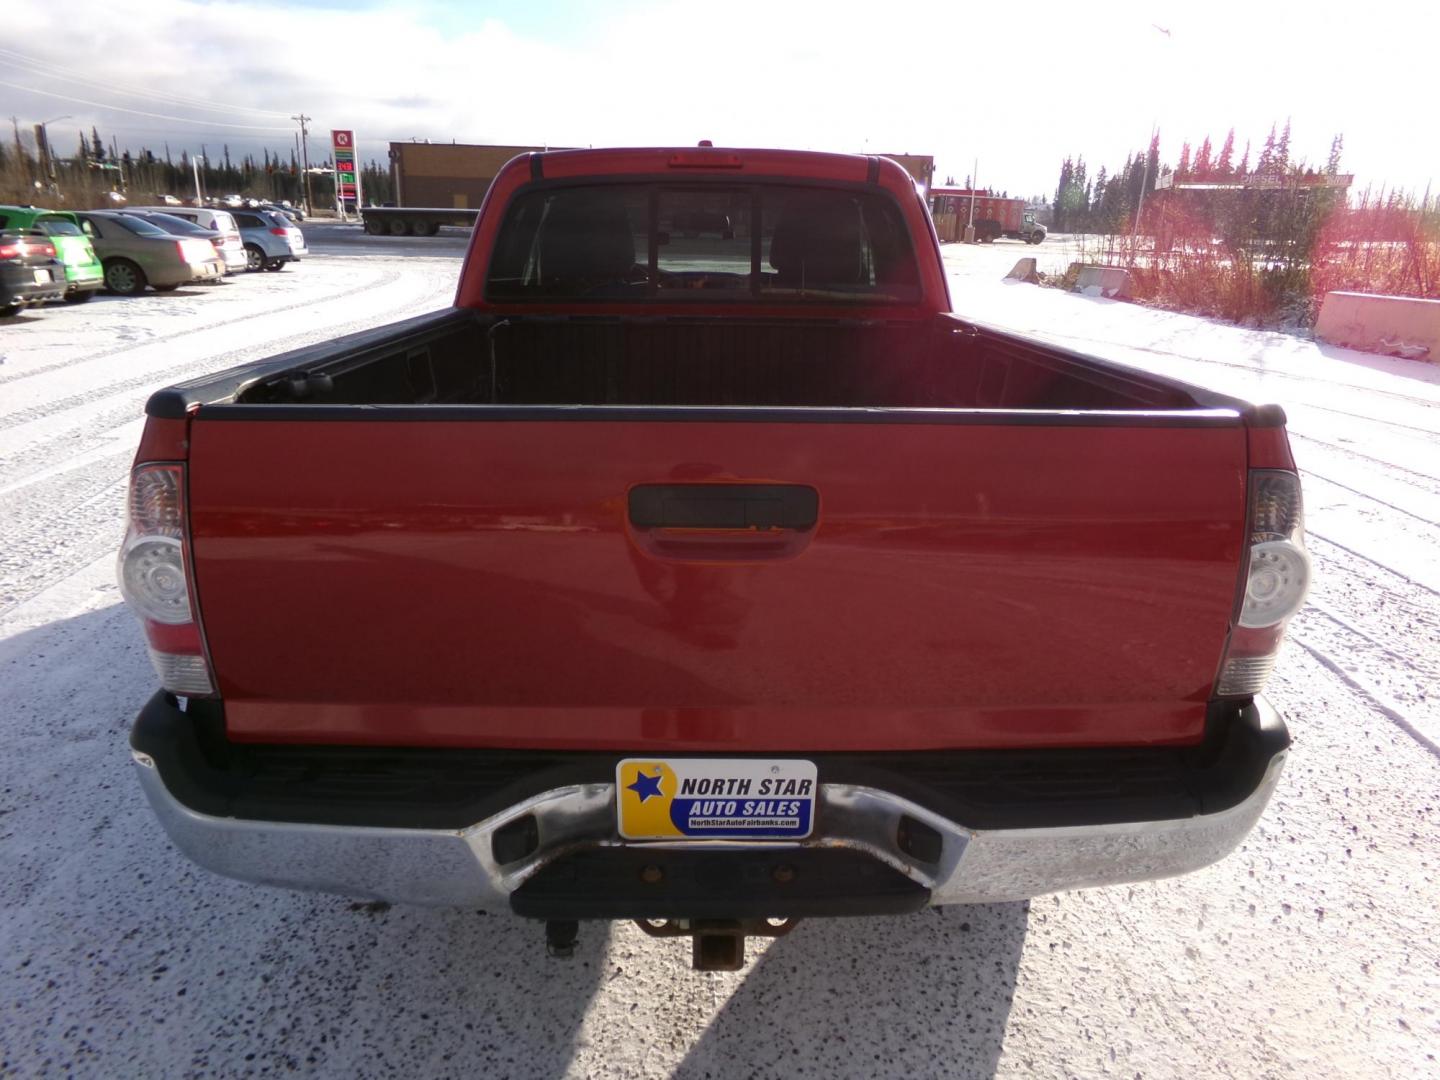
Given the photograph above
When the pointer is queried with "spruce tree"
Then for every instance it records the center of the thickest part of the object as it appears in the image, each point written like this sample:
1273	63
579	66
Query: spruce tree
1224	163
1067	172
1337	144
1266	164
1183	168
1202	159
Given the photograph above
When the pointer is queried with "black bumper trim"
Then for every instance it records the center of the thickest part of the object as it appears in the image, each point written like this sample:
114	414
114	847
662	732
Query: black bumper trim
658	883
454	788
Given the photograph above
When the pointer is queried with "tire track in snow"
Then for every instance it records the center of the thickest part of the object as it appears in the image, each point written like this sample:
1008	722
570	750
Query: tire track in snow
1384	465
1311	534
165	376
58	527
1376	698
1373	498
386	278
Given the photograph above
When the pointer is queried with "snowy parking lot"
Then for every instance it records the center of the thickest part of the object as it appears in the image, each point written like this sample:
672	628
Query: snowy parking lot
1313	951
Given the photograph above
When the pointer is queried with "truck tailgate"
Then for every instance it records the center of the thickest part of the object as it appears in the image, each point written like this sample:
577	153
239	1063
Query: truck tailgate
490	578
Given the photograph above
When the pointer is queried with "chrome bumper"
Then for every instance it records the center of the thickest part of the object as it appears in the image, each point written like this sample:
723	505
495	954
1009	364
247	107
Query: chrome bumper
458	867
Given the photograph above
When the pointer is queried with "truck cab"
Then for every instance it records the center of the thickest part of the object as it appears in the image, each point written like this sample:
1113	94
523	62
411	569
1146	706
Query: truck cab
1031	231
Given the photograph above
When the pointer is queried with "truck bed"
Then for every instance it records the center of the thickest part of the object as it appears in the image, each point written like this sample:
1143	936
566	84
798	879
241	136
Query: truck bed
1010	545
464	358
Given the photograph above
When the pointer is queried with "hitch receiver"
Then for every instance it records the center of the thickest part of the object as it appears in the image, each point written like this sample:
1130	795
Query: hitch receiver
717	944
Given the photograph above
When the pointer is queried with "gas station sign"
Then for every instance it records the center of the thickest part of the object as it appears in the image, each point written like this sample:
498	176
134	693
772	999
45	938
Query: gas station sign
347	180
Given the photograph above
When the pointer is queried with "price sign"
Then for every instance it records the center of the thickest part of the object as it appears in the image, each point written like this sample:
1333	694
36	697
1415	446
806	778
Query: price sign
342	150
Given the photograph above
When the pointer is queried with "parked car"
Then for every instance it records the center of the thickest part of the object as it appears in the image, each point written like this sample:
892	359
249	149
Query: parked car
178	226
30	272
271	240
638	585
289	212
136	253
232	248
84	275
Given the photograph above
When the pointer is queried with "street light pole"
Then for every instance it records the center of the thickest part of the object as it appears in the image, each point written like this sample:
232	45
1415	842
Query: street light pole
195	164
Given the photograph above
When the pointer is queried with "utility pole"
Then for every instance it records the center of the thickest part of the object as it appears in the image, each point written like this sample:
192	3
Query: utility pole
970	228
20	149
302	120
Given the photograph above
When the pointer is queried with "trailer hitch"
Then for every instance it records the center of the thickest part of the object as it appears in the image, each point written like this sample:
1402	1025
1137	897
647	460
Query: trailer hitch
717	944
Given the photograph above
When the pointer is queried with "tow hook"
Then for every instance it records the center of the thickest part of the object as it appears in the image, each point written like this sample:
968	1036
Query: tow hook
717	944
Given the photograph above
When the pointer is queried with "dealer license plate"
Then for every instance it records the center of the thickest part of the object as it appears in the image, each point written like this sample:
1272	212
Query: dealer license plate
43	277
715	798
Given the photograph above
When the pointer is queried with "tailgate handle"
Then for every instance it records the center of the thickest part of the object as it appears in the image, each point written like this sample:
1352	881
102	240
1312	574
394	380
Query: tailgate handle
747	507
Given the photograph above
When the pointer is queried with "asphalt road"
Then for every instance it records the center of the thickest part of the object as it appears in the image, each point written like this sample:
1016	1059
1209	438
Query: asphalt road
1310	952
325	238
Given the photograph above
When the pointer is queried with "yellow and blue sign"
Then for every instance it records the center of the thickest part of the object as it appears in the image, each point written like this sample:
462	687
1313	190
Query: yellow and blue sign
715	798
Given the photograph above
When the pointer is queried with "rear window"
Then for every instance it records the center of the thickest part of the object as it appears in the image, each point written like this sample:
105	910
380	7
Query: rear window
224	222
175	226
138	226
710	242
58	226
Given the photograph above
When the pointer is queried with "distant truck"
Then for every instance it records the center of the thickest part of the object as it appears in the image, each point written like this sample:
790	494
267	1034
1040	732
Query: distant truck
414	220
995	216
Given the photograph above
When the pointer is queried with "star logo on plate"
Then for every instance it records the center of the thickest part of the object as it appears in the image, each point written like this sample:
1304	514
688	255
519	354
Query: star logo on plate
645	786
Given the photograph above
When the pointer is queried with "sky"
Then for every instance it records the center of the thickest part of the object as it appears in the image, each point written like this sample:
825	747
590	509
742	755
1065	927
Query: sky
1017	87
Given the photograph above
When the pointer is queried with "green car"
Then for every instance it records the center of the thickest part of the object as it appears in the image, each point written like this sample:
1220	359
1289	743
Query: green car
83	273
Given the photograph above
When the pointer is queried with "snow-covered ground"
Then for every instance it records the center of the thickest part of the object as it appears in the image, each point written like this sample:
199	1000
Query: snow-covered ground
1311	952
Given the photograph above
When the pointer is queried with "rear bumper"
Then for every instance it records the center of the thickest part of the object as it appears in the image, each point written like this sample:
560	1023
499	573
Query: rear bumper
84	279
18	284
555	853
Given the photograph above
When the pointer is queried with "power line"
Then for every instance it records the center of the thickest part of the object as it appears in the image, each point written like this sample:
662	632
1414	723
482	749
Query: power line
139	112
50	70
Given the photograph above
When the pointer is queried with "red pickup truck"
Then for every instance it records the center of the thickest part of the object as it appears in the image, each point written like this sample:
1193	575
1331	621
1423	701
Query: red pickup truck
712	581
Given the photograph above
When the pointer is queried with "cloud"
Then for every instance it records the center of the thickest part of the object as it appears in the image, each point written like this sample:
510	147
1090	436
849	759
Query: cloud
1017	86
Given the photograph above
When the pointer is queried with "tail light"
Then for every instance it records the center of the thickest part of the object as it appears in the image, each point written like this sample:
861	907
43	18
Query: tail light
21	248
1276	579
155	579
195	250
277	231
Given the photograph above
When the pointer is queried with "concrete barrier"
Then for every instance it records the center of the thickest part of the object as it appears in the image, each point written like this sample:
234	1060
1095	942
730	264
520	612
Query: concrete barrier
1107	281
1024	270
1390	325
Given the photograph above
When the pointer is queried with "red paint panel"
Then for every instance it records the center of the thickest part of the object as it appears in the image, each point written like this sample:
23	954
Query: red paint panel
476	583
163	440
